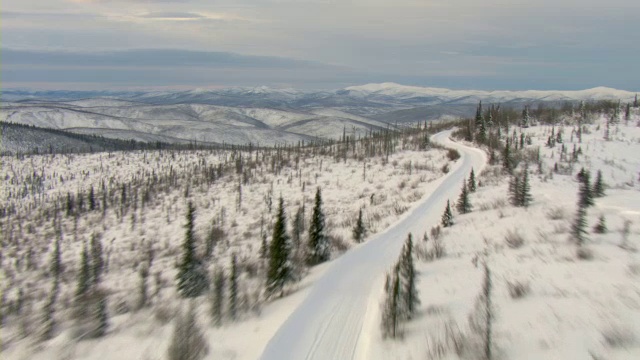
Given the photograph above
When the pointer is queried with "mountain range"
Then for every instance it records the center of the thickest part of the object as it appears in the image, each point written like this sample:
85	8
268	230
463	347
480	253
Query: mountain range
260	115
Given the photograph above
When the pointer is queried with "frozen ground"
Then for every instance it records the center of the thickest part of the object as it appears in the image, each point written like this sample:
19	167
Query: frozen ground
569	308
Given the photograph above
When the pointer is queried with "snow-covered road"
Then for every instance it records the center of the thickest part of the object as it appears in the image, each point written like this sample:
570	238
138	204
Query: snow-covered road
340	316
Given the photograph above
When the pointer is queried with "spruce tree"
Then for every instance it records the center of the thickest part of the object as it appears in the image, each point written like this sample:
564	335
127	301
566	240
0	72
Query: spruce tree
143	289
84	274
359	231
233	289
391	307
56	260
507	158
188	341
407	273
280	271
525	117
478	119
524	191
598	186
264	246
585	194
464	206
48	313
92	199
579	226
472	181
514	186
319	250
217	297
191	277
447	216
488	312
100	316
297	227
601	226
97	261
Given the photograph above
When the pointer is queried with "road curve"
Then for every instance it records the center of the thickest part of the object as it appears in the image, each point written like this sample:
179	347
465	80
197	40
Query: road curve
336	318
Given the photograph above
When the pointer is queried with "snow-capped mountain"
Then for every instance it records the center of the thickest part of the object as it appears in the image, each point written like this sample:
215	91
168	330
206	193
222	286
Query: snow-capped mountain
430	95
261	114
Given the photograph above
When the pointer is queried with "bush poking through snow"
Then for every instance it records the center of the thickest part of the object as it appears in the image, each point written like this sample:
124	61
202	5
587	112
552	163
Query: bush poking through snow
518	289
514	239
556	213
187	342
601	226
619	337
453	155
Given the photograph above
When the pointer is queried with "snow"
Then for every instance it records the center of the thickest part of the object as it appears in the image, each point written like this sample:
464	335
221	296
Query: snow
337	320
395	185
574	309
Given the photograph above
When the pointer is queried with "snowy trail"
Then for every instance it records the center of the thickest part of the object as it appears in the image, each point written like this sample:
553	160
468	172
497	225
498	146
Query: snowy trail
340	314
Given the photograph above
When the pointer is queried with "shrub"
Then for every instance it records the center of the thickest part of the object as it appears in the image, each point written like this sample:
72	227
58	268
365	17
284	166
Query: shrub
453	155
513	239
518	289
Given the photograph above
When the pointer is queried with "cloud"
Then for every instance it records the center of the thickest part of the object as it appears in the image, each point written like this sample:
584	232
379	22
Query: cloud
172	15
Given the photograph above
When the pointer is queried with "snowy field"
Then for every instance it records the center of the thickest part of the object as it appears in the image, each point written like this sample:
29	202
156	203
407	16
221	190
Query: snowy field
235	195
547	303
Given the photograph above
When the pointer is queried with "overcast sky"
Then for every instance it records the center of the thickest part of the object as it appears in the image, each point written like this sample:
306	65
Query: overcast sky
479	44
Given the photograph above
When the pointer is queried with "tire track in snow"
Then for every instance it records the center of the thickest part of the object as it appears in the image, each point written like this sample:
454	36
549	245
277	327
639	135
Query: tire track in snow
338	319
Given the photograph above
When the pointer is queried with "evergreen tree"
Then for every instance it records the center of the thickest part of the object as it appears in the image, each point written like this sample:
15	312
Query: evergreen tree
507	158
359	231
482	132
635	101
585	194
514	186
598	186
479	119
191	277
524	193
319	250
581	174
100	315
56	262
579	226
464	206
525	117
48	313
627	112
447	216
391	308
601	226
407	271
488	312
472	181
97	261
143	297
233	289
264	247
297	227
217	297
92	199
280	271
84	274
188	341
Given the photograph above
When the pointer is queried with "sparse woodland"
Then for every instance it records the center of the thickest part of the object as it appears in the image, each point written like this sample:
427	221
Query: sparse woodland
93	241
530	244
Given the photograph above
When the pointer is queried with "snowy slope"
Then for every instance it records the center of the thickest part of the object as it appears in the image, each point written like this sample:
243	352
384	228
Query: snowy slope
338	318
